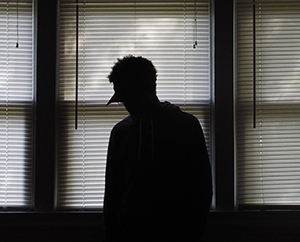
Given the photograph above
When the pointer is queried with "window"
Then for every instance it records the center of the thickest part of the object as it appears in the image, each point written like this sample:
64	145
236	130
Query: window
164	32
268	102
16	104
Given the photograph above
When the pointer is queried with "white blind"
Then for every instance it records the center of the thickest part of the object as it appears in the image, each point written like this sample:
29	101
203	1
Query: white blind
16	100
162	31
268	157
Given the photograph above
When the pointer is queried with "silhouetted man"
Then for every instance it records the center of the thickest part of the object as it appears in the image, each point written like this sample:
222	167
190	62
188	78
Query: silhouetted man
158	177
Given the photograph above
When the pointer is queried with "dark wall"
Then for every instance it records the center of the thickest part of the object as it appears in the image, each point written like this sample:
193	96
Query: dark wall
258	226
224	130
87	227
51	227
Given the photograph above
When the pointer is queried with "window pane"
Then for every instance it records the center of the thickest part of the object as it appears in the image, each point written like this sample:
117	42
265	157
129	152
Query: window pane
268	156
162	31
16	99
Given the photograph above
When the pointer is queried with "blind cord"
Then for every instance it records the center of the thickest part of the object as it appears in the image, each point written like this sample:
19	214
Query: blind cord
195	26
17	43
6	110
254	64
76	66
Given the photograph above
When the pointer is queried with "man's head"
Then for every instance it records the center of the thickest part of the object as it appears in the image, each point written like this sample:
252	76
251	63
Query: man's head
132	77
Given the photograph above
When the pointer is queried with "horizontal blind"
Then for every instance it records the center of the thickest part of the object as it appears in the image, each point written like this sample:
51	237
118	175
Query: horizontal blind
16	100
162	31
268	156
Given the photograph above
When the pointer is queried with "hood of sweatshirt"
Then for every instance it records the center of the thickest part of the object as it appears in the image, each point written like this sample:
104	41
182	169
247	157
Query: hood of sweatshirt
166	106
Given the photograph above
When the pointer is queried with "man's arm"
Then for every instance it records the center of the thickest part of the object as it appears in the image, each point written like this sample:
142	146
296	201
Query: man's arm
112	197
198	170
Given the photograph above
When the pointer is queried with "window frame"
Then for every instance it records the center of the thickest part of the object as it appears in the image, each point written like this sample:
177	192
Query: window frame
46	101
223	107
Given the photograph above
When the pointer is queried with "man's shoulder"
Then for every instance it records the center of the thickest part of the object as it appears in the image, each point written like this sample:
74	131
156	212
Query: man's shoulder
183	116
123	124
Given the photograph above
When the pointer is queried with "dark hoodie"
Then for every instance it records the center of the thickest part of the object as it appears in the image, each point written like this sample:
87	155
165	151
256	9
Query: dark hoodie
158	179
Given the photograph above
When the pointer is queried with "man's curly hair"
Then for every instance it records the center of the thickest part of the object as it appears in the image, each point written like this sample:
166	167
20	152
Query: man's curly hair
133	72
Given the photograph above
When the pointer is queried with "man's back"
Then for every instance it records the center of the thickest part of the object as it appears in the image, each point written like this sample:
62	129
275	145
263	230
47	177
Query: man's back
158	169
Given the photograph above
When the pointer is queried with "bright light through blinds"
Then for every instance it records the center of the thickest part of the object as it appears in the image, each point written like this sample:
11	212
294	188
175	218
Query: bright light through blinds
268	157
16	100
162	31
